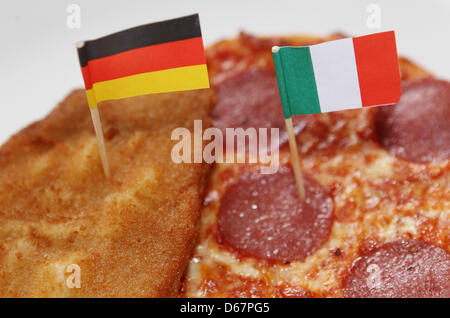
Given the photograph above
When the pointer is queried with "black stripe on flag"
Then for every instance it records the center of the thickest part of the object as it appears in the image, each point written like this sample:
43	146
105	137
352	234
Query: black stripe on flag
149	34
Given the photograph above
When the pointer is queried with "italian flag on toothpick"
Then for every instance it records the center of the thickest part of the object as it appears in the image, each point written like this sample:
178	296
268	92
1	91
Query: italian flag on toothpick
336	75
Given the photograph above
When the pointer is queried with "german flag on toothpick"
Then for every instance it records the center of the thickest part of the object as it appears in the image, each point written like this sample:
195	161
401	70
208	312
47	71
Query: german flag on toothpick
158	57
154	58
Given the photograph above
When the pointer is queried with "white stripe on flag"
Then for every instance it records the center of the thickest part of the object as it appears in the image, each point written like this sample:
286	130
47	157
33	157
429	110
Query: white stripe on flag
336	75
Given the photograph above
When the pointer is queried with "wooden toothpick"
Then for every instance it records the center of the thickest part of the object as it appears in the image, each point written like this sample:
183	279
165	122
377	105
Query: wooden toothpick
295	160
97	127
100	140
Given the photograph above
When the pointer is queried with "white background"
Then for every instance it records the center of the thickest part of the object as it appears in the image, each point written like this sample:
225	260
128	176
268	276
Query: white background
39	65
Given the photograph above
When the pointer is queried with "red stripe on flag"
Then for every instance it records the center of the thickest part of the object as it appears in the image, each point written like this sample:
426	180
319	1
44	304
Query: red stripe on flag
146	59
378	70
86	77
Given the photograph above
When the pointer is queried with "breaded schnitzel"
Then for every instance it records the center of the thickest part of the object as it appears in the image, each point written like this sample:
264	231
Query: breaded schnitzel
131	235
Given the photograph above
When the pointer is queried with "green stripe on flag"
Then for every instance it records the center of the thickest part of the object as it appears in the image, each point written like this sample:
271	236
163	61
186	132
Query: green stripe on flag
281	84
296	82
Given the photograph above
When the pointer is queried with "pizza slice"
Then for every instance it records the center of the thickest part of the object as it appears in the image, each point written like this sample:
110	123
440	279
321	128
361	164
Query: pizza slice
376	220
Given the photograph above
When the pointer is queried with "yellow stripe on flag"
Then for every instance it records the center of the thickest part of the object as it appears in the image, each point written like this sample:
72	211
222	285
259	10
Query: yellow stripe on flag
170	80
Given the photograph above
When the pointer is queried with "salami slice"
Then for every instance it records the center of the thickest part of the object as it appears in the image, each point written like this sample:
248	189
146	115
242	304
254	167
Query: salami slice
401	269
262	216
251	99
417	128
